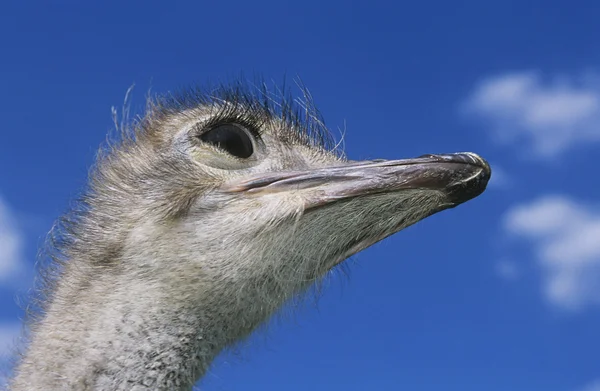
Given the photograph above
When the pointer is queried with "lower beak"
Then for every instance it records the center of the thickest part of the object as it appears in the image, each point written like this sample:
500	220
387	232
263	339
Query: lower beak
460	176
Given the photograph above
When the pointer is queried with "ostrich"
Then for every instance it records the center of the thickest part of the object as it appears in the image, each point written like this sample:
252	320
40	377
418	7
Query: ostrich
203	218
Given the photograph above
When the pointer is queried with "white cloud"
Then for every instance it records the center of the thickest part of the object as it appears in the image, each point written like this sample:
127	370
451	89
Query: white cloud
566	242
12	262
551	116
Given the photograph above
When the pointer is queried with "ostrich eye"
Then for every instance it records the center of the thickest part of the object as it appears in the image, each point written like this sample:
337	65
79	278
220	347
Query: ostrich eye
231	139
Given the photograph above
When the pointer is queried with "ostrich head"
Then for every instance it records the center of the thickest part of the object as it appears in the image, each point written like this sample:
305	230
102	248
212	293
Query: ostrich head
208	214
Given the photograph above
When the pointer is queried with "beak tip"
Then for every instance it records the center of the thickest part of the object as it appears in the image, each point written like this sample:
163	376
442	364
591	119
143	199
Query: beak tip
471	180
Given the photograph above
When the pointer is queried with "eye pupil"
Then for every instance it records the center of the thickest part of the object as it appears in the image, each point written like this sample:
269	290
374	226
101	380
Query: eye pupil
230	138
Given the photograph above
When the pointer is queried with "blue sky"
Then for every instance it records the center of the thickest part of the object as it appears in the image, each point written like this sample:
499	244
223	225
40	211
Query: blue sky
499	294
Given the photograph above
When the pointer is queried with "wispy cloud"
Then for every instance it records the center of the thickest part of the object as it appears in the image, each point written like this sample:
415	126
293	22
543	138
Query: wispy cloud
500	179
564	235
508	270
595	386
12	262
551	116
9	333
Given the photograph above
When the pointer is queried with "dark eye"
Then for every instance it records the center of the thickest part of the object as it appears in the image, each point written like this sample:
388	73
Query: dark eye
230	138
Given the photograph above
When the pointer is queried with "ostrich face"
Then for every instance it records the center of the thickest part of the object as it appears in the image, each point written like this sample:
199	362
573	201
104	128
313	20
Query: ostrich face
267	206
244	206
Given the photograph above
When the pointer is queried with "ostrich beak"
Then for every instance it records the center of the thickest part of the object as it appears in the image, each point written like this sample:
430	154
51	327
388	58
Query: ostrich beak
460	176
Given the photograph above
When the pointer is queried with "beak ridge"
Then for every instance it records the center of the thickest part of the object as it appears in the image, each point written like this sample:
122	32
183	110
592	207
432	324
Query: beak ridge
462	176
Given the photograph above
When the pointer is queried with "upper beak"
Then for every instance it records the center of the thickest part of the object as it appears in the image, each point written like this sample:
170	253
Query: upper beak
461	176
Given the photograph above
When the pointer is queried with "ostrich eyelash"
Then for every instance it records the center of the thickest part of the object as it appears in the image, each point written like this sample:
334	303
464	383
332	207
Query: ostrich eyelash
249	118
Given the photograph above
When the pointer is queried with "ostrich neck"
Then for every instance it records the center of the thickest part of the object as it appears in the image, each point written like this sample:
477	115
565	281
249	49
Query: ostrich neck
123	333
155	315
